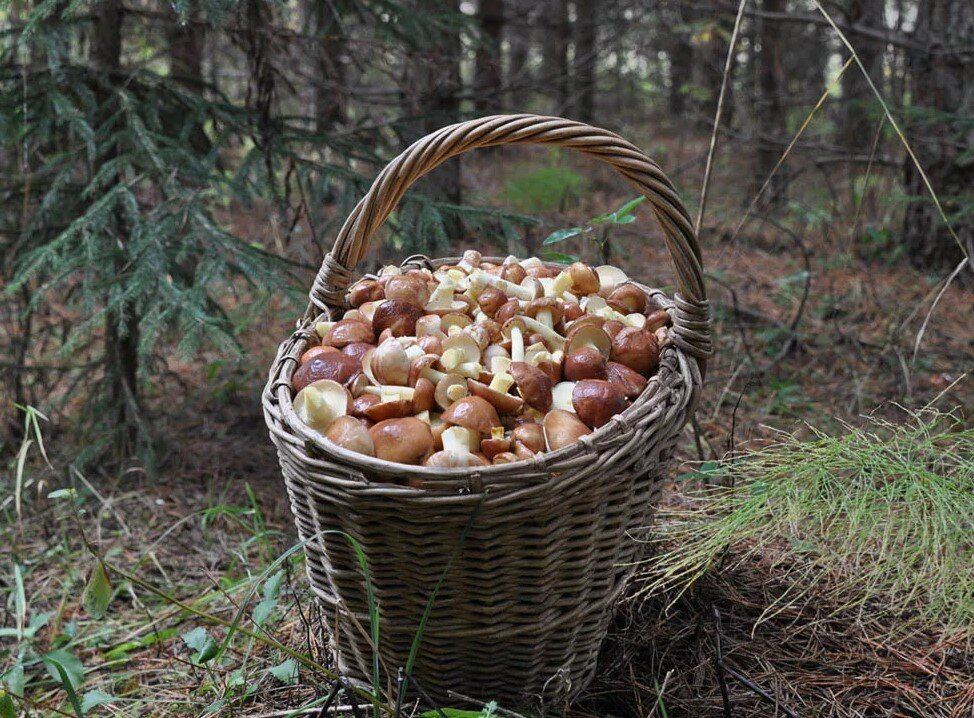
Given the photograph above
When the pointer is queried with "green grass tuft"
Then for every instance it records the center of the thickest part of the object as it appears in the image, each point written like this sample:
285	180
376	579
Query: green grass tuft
878	520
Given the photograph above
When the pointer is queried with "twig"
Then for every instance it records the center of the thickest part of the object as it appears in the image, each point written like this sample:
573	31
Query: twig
719	665
720	111
425	695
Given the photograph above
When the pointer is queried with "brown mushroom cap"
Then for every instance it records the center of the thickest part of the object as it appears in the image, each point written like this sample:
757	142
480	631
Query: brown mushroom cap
507	310
631	382
430	344
637	349
505	458
657	319
546	304
584	279
584	363
348	331
571	311
597	401
473	412
551	368
313	352
589	335
533	384
407	440
531	435
490	300
398	316
562	428
389	364
628	299
330	365
504	403
423	395
393	409
349	433
513	272
365	290
356	350
408	288
493	447
362	404
612	328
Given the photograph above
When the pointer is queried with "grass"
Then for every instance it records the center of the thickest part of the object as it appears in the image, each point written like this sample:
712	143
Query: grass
876	520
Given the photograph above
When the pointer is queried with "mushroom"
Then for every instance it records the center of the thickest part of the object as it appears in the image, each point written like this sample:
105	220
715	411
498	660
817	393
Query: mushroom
356	350
398	316
596	401
612	327
390	364
584	363
349	434
362	403
313	352
480	280
571	310
470	261
561	395
533	385
472	412
449	389
493	351
490	300
429	325
546	310
552	338
631	382
637	349
512	271
459	349
530	435
496	444
657	319
503	402
423	395
507	311
334	366
408	288
588	336
505	458
430	344
365	290
513	330
347	331
584	279
454	322
321	402
609	278
628	299
407	440
562	428
456	451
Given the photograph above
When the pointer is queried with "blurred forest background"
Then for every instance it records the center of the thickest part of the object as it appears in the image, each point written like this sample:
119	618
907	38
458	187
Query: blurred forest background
172	174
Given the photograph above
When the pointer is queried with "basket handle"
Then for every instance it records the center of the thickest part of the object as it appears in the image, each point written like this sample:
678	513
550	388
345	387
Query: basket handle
691	319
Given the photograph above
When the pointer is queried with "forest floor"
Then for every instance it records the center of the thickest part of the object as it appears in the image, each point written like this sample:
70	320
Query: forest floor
216	515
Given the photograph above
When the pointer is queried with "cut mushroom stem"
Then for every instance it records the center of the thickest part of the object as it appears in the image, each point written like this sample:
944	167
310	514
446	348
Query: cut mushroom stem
556	340
480	280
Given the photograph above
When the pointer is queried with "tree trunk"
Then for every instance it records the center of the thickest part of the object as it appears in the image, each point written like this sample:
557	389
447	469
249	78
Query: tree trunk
554	50
586	58
187	39
431	89
517	32
771	106
941	78
680	54
711	59
121	325
488	73
329	88
858	124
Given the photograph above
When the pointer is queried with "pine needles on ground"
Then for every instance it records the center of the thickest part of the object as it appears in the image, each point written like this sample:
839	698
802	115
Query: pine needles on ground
877	520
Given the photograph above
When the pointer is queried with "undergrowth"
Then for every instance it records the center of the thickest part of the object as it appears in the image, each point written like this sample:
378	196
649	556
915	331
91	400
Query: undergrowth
876	520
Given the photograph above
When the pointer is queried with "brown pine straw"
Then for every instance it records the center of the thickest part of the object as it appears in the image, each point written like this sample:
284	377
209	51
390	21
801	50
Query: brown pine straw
527	602
811	658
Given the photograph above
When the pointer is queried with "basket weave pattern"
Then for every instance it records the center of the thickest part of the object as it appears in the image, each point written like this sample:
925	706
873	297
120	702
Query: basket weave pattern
526	603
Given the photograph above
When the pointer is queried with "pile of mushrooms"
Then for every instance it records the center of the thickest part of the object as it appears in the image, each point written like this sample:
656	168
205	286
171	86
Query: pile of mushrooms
478	363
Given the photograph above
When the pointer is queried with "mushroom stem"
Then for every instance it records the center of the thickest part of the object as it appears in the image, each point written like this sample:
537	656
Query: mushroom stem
556	339
517	345
388	393
480	280
544	316
432	374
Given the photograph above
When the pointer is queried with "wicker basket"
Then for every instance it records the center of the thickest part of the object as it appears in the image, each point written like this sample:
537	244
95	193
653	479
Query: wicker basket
526	603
